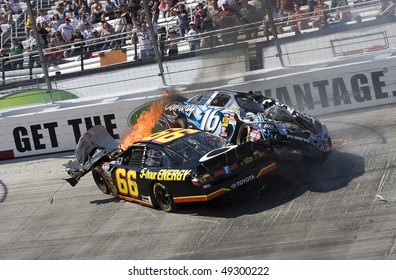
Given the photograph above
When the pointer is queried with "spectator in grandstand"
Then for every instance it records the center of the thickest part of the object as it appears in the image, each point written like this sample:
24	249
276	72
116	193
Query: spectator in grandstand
249	14
183	19
164	8
110	9
77	46
153	5
29	23
71	7
55	53
55	23
5	60
199	16
298	20
96	12
320	12
125	13
120	26
16	7
212	11
93	42
66	29
105	31
145	37
60	10
343	13
81	25
84	10
171	44
88	30
193	37
121	3
42	17
5	14
31	47
16	53
285	7
45	35
226	19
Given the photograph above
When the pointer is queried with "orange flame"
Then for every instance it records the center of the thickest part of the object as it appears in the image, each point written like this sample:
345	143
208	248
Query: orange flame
147	121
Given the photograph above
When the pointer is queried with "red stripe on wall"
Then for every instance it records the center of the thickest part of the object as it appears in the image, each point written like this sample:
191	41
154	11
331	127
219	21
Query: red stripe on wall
7	154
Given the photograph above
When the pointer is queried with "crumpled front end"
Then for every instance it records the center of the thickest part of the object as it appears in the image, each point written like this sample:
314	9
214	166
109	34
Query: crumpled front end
93	145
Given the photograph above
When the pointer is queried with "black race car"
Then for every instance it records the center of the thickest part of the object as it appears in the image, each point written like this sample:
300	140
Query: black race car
240	117
169	167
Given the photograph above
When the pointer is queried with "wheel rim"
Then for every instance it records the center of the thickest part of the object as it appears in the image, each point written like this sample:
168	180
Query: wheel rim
243	138
162	196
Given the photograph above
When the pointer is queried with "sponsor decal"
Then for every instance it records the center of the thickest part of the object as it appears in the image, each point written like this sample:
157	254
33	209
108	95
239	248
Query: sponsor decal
165	174
30	138
338	91
298	138
231	119
243	181
180	107
255	133
248	159
146	198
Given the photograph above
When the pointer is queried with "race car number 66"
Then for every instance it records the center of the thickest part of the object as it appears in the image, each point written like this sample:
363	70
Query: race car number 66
245	270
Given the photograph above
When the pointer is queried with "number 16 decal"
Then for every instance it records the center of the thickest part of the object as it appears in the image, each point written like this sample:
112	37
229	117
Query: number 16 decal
210	121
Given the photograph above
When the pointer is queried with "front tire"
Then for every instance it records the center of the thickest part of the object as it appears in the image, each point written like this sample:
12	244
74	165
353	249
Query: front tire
97	174
163	198
180	123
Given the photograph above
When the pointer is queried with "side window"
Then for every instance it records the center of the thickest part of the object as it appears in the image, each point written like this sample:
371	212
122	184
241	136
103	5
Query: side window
196	99
154	158
136	156
220	100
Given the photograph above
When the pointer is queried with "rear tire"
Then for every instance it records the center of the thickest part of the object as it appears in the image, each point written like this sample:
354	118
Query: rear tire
243	134
164	198
99	179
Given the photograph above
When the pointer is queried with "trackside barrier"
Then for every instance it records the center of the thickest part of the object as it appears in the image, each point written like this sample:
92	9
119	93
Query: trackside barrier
336	88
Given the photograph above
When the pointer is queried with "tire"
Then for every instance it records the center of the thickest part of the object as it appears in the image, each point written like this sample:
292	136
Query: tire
243	134
163	198
180	122
99	179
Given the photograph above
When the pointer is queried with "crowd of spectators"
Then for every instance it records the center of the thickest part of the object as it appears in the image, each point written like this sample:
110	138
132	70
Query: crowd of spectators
100	25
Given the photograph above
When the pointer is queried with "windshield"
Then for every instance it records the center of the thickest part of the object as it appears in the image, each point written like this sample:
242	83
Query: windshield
248	103
195	146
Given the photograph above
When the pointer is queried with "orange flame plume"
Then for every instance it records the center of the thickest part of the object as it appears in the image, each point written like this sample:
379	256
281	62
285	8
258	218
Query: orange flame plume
147	121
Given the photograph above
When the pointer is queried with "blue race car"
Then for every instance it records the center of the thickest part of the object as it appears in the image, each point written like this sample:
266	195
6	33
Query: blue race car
241	117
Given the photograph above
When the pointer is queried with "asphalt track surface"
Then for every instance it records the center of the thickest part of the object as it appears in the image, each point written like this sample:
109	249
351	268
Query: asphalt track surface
342	209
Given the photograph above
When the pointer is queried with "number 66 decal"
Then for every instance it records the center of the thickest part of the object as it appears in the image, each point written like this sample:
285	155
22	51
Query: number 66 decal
126	182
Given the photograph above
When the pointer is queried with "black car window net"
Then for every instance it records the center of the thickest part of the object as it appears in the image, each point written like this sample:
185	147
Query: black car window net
136	156
153	158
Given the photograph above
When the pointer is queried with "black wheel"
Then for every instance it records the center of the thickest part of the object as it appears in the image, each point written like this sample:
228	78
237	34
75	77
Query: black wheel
100	180
180	122
243	134
163	198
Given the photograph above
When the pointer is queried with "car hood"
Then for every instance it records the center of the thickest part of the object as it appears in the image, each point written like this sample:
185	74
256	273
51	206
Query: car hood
92	146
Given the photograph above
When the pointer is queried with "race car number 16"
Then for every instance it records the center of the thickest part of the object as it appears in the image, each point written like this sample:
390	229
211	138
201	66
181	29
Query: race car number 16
126	182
